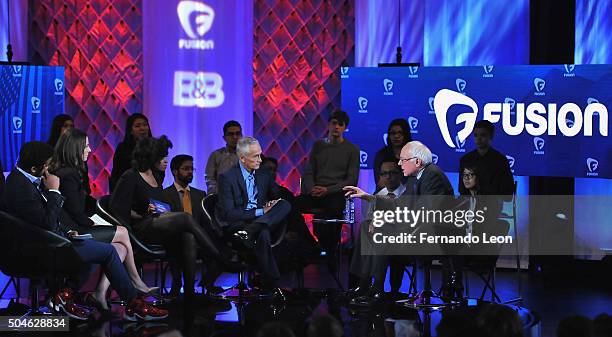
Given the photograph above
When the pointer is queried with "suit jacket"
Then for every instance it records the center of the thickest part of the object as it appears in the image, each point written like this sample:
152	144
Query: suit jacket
173	197
432	191
23	200
233	197
73	190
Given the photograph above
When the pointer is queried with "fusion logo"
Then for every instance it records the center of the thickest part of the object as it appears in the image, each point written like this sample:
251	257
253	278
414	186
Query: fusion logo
460	83
512	103
17	124
388	85
385	138
488	71
539	86
344	72
17	71
363	105
35	104
592	165
413	122
363	159
196	18
460	144
569	70
538	144
59	87
536	118
434	158
200	89
443	100
413	70
511	162
431	111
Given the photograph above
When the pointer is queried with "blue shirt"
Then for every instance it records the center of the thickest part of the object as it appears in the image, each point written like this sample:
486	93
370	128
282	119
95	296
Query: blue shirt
249	180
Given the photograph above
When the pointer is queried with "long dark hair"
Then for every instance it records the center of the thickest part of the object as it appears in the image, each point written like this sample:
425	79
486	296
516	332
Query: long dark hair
69	151
56	128
149	151
403	124
128	139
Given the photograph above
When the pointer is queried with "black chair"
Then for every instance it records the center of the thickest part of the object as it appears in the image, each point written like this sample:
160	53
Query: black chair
240	291
484	266
31	252
143	253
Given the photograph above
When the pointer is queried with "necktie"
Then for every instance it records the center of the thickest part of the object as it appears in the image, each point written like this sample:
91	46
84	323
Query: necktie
187	202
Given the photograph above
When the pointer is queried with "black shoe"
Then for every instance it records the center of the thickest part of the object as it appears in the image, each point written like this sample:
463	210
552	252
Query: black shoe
214	290
372	298
243	238
356	292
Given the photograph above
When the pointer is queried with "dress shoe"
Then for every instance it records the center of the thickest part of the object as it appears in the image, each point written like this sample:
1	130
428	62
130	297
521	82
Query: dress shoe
356	292
90	300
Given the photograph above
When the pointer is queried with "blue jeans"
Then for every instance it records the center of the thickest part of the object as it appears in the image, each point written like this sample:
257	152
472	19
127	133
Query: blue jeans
104	254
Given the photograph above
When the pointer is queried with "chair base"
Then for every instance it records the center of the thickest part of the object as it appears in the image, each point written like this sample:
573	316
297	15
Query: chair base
242	291
428	299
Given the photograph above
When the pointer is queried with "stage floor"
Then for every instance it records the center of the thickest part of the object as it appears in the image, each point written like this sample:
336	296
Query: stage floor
546	300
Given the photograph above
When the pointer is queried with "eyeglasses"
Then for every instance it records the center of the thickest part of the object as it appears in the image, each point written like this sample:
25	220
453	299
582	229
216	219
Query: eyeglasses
388	173
403	160
468	175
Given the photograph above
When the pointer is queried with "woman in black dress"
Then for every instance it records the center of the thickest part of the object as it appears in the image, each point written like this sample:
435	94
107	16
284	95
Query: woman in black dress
69	164
133	202
136	127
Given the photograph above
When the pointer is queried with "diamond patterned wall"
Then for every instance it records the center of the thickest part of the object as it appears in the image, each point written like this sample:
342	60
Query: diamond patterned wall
299	47
99	42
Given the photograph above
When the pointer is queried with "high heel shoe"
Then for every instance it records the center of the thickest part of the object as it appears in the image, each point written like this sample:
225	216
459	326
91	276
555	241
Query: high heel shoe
152	291
90	300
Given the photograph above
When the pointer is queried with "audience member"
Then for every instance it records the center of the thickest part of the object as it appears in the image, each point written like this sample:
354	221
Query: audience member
61	123
325	326
249	210
136	127
363	265
333	163
33	194
575	326
134	201
68	163
224	158
275	329
398	134
499	321
495	175
185	198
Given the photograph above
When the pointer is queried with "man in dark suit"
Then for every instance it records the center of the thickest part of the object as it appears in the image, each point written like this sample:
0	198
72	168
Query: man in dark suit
430	190
248	208
188	199
32	194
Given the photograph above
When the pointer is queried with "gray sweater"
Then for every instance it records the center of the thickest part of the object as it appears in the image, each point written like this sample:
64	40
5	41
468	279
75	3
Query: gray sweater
331	165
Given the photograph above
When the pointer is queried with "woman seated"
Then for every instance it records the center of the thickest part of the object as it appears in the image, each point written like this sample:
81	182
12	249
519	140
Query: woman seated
134	199
69	164
136	127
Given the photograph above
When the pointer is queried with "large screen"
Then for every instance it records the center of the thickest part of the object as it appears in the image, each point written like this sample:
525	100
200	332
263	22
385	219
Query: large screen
30	96
549	120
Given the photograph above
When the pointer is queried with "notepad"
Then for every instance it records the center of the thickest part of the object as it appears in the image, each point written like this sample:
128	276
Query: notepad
98	220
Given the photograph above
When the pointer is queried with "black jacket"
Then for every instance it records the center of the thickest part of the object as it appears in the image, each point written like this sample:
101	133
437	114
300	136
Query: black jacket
173	197
233	197
73	190
23	200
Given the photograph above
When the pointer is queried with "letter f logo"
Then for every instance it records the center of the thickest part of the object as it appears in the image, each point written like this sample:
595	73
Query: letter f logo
442	102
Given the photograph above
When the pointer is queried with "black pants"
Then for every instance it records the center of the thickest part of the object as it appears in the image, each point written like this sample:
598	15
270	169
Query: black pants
263	228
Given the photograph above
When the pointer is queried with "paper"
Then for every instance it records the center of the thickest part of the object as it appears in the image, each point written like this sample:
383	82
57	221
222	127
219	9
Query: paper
98	220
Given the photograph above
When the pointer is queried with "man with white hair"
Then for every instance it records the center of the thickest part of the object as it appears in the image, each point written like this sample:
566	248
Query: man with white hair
250	209
415	160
